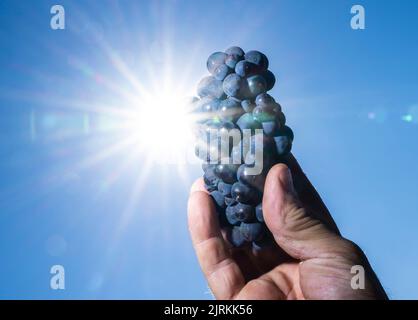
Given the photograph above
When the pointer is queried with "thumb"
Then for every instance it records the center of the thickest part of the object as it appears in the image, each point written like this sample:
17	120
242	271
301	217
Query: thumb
297	231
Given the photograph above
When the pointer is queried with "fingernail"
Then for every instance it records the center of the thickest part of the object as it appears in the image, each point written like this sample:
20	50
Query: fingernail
287	181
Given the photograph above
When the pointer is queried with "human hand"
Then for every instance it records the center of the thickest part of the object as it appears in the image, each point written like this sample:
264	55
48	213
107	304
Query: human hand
309	260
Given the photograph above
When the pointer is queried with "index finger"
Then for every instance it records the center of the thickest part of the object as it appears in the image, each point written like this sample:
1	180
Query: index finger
221	271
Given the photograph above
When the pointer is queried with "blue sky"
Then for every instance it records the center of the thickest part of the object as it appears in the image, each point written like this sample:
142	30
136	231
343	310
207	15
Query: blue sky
72	193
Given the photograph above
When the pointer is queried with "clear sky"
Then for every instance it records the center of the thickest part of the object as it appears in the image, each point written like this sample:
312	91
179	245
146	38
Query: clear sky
76	190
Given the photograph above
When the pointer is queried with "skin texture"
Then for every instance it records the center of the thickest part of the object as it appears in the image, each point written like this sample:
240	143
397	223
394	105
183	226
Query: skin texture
309	260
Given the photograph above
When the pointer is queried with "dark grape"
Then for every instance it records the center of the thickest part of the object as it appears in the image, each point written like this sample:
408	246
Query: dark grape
244	68
231	215
210	176
267	113
247	121
225	188
234	55
237	51
221	71
211	184
215	60
227	172
270	79
208	107
230	110
256	85
248	105
258	59
244	212
236	238
270	127
232	60
239	212
259	212
209	168
230	201
264	99
283	140
209	86
219	199
232	85
244	193
252	231
244	175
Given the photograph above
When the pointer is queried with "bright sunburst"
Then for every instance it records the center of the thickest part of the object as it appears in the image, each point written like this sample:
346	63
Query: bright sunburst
161	125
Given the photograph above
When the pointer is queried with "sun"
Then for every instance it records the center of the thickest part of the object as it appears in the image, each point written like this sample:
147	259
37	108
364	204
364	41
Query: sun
162	126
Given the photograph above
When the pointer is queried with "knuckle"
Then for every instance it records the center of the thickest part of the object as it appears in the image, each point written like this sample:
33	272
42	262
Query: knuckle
351	251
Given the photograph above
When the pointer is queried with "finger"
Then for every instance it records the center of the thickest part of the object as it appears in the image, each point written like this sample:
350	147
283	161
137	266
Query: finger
295	230
198	185
308	195
221	271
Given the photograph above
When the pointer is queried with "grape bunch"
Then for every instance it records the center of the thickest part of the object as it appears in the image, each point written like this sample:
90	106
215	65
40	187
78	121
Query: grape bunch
234	108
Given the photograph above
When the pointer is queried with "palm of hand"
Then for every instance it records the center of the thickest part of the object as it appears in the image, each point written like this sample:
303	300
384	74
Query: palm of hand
273	275
269	274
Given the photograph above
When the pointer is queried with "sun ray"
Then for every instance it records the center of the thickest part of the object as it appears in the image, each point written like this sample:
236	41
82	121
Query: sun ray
132	201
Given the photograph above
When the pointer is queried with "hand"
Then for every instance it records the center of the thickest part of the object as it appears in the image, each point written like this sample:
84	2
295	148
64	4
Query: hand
309	260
